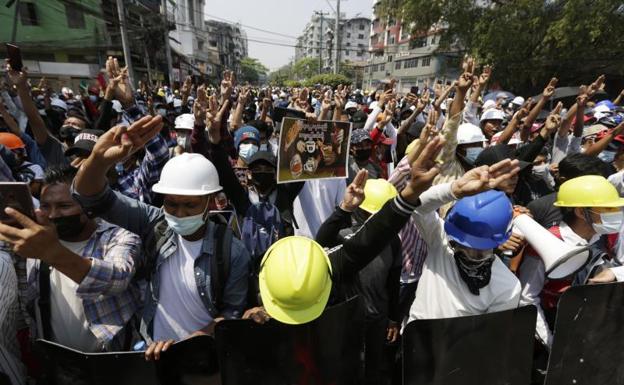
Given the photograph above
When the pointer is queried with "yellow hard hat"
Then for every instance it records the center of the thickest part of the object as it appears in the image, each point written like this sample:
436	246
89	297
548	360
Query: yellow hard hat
588	191
377	192
411	146
295	280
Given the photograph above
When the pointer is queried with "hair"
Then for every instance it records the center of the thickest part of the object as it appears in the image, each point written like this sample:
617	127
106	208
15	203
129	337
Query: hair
578	164
567	214
260	126
59	175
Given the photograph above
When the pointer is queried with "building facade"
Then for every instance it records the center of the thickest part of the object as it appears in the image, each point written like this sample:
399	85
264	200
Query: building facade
230	42
411	59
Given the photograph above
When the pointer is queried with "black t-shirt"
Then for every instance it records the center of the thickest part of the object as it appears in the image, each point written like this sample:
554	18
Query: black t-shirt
545	212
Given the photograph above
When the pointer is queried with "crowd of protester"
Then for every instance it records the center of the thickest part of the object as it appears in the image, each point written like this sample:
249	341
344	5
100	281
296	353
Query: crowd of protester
158	212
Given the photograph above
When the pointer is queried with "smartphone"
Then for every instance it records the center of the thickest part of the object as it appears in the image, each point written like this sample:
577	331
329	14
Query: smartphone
15	195
15	57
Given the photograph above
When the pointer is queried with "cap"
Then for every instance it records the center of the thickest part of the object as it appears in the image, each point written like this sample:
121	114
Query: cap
350	104
244	133
518	101
488	105
266	156
359	119
492	114
56	102
495	154
360	135
84	143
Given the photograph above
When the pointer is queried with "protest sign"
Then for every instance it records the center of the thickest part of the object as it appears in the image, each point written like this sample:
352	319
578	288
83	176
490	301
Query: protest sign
312	150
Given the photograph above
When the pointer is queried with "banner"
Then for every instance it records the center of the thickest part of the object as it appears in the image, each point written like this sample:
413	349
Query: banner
494	348
185	362
322	352
312	150
588	345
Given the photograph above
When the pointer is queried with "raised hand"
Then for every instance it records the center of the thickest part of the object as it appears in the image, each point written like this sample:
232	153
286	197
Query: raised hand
484	178
121	141
214	115
200	105
185	91
122	90
423	170
485	76
465	80
354	194
17	78
597	85
549	91
33	240
553	122
384	97
227	85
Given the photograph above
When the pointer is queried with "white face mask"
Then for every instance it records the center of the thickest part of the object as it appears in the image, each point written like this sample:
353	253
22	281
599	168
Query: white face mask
186	225
541	171
611	223
247	150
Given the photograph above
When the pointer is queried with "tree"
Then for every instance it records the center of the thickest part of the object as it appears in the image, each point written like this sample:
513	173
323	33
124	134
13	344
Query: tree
327	79
252	70
306	68
527	41
284	73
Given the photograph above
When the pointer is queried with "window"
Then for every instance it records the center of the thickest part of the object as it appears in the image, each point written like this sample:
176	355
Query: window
348	44
382	67
418	42
28	14
348	34
426	62
347	52
75	17
360	36
375	68
391	40
317	50
191	12
200	45
397	65
410	63
390	58
213	43
360	53
362	26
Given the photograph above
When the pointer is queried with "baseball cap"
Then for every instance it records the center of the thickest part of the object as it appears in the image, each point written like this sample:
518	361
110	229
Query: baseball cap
360	135
244	133
495	154
84	143
266	156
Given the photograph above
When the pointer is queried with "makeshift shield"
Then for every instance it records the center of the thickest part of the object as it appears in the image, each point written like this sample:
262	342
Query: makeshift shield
588	345
192	361
322	352
491	349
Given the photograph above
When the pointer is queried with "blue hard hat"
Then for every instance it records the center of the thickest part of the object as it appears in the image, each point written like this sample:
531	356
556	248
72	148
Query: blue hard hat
481	221
607	103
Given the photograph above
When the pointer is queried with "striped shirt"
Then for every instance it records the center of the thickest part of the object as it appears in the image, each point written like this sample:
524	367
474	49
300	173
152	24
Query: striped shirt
10	364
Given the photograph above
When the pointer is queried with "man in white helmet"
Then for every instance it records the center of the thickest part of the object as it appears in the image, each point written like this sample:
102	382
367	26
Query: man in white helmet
193	283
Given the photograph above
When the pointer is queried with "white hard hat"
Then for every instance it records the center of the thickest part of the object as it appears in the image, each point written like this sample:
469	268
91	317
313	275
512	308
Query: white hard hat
350	104
492	114
489	104
188	174
117	106
515	138
185	122
469	133
518	101
177	102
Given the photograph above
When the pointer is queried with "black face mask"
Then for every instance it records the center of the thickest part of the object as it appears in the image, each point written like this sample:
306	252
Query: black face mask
362	154
68	226
68	133
476	274
263	181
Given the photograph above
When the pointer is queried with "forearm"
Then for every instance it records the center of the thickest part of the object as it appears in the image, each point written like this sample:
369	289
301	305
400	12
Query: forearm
508	132
231	185
91	177
71	265
37	125
474	97
458	102
534	113
408	122
438	102
338	113
103	122
372	118
579	122
600	145
324	114
237	118
10	122
327	235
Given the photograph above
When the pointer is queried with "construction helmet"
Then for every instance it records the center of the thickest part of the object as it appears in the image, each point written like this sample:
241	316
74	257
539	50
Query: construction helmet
185	122
377	192
295	280
588	191
481	221
188	174
411	146
469	133
11	141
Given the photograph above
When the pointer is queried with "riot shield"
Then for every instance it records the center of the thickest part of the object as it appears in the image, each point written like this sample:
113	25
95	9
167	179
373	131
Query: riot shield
495	348
187	362
588	345
322	352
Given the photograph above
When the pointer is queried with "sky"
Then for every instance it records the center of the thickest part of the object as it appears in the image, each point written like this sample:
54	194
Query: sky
285	17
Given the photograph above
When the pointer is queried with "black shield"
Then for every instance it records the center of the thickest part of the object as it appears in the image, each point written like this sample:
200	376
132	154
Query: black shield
325	351
491	349
191	361
588	345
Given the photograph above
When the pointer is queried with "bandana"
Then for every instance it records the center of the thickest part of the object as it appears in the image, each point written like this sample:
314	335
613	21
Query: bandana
476	274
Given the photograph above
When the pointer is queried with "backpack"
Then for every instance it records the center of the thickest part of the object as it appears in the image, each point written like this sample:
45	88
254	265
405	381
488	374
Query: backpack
262	226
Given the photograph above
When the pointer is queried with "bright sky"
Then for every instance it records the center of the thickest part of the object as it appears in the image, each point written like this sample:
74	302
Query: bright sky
285	17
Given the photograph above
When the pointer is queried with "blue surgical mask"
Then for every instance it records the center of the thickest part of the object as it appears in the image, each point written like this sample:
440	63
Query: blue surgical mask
472	153
187	225
162	112
607	156
93	98
247	150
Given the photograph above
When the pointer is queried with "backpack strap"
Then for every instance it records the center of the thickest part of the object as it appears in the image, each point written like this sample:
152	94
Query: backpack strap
220	264
44	300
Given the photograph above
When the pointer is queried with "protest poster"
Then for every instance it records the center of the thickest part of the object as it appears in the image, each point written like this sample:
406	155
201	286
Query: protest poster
312	150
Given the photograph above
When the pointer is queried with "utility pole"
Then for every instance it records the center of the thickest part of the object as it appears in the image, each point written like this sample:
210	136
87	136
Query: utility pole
124	40
337	38
17	6
321	36
167	46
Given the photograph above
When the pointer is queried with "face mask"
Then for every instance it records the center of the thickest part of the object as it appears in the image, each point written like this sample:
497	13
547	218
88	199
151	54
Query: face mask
472	153
607	156
247	150
93	98
475	273
540	171
68	226
68	133
162	112
263	181
611	223
181	139
187	225
362	154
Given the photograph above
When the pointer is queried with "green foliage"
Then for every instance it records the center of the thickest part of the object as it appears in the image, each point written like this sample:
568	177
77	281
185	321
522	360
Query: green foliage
279	77
327	79
251	70
292	83
305	68
527	41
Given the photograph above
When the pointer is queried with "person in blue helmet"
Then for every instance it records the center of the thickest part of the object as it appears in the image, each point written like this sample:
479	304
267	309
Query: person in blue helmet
461	275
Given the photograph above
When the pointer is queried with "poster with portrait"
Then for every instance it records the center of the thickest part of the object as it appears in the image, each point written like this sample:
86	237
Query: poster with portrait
312	150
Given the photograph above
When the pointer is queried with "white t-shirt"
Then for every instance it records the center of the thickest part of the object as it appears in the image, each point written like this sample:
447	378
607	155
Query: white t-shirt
180	310
67	317
441	291
316	201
